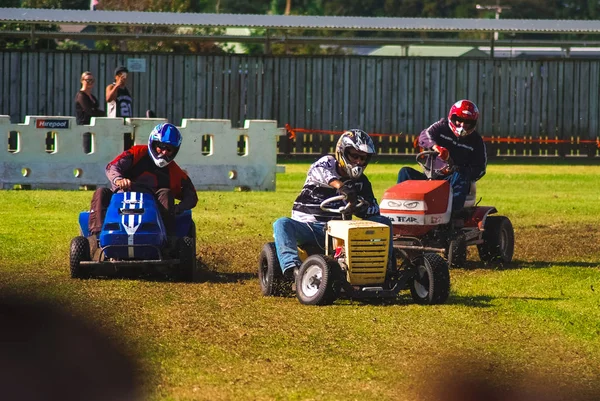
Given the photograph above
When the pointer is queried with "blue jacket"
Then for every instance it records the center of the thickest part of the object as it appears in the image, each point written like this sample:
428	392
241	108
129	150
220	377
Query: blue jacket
468	152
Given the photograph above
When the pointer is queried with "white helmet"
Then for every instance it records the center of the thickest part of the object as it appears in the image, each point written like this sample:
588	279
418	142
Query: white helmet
356	139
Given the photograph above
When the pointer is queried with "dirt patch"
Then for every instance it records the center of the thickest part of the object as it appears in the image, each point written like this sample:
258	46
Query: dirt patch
558	244
534	246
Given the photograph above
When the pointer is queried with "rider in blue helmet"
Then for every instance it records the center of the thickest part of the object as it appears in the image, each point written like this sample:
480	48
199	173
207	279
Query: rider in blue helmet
148	168
164	136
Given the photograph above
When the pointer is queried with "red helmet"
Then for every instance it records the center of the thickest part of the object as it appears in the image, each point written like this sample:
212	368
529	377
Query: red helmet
465	112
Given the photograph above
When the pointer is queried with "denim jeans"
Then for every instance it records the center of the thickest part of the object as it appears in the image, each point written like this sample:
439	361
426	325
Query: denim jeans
290	233
459	181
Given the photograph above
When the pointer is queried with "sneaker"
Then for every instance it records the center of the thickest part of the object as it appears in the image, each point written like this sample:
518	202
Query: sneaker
290	273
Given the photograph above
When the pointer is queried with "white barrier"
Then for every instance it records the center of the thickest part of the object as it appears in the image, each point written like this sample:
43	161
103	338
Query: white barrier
50	152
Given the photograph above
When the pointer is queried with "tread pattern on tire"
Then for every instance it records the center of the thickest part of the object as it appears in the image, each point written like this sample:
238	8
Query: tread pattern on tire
437	283
490	250
328	291
270	276
80	251
187	258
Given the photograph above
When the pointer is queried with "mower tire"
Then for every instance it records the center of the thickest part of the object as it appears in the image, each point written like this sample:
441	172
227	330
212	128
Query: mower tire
270	277
316	282
186	247
431	283
498	240
80	252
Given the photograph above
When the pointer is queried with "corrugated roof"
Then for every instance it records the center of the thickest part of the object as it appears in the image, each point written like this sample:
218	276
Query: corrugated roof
428	51
137	18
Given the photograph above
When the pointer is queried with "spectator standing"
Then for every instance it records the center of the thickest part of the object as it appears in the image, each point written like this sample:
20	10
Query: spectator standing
118	98
86	104
118	101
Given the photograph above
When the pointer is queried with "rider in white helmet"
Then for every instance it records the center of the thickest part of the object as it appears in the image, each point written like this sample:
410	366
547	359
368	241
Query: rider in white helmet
329	176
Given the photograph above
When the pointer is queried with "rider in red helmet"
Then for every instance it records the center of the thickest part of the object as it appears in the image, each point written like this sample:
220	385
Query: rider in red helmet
462	117
456	140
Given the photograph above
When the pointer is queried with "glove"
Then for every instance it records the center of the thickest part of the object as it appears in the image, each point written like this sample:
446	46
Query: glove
349	193
367	210
443	152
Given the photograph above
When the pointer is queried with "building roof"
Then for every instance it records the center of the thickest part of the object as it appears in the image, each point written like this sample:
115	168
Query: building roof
141	18
429	51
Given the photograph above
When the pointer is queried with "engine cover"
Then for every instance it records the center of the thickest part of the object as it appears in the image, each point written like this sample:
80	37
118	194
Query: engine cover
415	206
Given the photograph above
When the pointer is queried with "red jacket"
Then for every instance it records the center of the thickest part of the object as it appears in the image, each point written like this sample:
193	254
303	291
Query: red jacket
137	165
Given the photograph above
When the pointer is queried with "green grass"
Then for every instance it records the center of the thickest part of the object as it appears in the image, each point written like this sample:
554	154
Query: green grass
533	323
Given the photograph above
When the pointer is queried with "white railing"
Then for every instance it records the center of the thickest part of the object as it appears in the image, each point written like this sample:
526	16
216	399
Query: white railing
53	152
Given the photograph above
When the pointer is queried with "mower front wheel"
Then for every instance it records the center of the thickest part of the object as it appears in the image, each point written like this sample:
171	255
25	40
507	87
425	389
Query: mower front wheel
431	283
316	282
498	240
80	252
187	258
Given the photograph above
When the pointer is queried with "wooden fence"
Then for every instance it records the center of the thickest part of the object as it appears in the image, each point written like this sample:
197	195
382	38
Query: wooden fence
543	107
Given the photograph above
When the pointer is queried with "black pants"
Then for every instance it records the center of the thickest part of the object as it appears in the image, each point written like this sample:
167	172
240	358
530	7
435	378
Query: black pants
101	200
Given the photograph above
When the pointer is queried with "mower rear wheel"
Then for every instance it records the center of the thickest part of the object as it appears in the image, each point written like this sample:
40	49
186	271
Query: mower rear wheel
270	277
80	252
186	247
431	284
316	281
498	240
457	251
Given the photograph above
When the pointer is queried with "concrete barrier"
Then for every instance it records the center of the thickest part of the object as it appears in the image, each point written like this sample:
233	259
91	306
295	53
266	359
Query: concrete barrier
50	152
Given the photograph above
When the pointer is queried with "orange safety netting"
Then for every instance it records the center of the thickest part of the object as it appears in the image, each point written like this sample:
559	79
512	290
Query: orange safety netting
545	141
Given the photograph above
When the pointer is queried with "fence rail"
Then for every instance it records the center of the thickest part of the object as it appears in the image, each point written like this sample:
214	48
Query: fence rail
548	106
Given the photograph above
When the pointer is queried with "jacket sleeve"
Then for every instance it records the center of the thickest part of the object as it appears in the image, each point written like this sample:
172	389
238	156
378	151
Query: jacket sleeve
429	136
119	167
189	196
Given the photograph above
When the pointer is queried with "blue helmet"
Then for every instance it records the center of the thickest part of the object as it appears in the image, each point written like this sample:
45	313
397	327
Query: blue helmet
168	135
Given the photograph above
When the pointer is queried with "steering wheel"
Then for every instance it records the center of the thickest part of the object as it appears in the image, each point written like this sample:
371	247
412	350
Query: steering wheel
342	209
426	160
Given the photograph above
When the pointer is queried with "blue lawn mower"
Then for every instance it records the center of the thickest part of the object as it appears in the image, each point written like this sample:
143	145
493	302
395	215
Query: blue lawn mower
134	237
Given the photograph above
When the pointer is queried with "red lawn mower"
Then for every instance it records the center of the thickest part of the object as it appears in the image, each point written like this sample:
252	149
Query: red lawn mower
422	218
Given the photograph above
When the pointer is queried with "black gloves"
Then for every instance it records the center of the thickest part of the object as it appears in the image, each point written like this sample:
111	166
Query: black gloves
350	194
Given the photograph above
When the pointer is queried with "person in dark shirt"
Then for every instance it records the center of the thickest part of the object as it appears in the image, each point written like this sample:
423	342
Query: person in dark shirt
151	169
86	104
456	140
329	176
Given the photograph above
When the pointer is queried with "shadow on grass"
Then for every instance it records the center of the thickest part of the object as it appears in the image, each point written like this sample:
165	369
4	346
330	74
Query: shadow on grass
544	264
212	276
518	264
477	301
404	299
205	273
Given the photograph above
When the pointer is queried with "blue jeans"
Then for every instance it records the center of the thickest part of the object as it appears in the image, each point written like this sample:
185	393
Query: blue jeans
460	183
290	233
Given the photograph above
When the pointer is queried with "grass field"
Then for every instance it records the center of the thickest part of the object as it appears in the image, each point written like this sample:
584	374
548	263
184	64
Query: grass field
534	324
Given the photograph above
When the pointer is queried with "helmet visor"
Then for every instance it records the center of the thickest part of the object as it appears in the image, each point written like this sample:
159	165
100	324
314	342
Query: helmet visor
356	157
467	124
165	147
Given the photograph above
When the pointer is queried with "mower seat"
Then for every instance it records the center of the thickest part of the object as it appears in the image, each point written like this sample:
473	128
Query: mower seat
471	197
